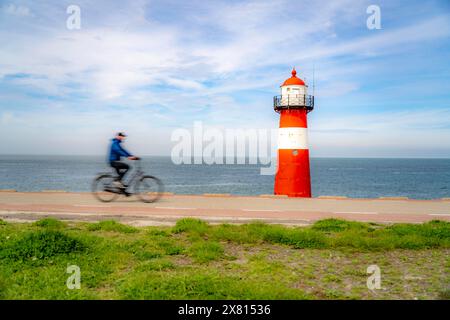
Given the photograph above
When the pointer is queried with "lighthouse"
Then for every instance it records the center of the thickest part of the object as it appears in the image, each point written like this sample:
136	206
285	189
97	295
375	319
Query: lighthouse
293	174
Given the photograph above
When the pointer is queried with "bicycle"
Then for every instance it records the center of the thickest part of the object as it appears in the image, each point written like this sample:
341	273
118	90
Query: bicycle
147	188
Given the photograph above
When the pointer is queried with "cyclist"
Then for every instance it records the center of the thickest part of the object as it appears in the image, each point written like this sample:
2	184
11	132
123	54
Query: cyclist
116	152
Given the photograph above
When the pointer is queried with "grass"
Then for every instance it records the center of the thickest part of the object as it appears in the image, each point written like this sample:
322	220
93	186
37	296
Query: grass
111	225
205	251
50	223
195	260
334	233
337	225
35	245
444	294
192	226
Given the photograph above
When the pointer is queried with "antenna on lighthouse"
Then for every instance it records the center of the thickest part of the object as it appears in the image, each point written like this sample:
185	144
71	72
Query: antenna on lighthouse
314	79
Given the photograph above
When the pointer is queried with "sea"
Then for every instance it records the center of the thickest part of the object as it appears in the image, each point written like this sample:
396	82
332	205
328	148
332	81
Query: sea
351	177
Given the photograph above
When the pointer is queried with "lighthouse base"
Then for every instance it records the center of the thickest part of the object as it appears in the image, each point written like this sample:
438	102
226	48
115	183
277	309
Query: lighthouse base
293	175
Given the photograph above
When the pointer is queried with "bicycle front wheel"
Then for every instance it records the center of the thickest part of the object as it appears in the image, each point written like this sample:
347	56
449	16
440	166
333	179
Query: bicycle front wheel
149	189
102	188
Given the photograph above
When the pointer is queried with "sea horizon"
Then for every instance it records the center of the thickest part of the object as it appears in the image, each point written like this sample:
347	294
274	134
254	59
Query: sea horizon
157	155
416	178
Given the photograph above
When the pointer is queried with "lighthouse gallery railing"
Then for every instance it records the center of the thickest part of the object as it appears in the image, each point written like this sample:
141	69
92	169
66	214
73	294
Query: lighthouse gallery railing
293	101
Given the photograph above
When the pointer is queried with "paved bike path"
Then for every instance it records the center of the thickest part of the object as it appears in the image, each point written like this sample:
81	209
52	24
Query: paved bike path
20	206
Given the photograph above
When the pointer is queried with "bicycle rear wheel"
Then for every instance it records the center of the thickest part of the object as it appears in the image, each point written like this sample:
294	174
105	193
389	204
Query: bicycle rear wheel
149	189
102	188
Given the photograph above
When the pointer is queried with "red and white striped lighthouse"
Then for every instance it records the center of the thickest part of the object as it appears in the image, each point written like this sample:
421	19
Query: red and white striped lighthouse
293	175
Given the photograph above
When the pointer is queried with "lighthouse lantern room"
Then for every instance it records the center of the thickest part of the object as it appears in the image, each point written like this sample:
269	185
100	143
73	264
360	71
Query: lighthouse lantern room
293	173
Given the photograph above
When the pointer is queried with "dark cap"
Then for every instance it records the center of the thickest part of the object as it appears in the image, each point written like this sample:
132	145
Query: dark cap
121	134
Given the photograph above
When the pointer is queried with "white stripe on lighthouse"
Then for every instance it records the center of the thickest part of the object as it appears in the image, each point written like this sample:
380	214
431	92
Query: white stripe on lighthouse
293	138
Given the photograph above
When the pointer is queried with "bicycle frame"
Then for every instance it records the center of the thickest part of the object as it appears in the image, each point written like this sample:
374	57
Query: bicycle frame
137	173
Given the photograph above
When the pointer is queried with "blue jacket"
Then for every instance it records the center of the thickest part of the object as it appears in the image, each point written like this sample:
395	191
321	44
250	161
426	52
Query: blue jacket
116	151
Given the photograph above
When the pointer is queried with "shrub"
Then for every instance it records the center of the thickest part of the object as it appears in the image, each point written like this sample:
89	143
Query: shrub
191	225
111	225
49	223
40	245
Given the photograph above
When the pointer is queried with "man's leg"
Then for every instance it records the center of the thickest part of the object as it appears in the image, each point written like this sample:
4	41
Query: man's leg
121	169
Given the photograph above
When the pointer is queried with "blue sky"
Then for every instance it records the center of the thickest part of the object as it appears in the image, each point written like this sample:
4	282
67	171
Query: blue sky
149	67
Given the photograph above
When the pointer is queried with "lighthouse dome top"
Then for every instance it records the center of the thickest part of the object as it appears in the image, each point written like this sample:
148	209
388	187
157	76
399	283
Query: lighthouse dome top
294	80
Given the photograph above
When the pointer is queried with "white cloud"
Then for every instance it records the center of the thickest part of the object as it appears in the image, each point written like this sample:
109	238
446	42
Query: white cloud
20	11
111	62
